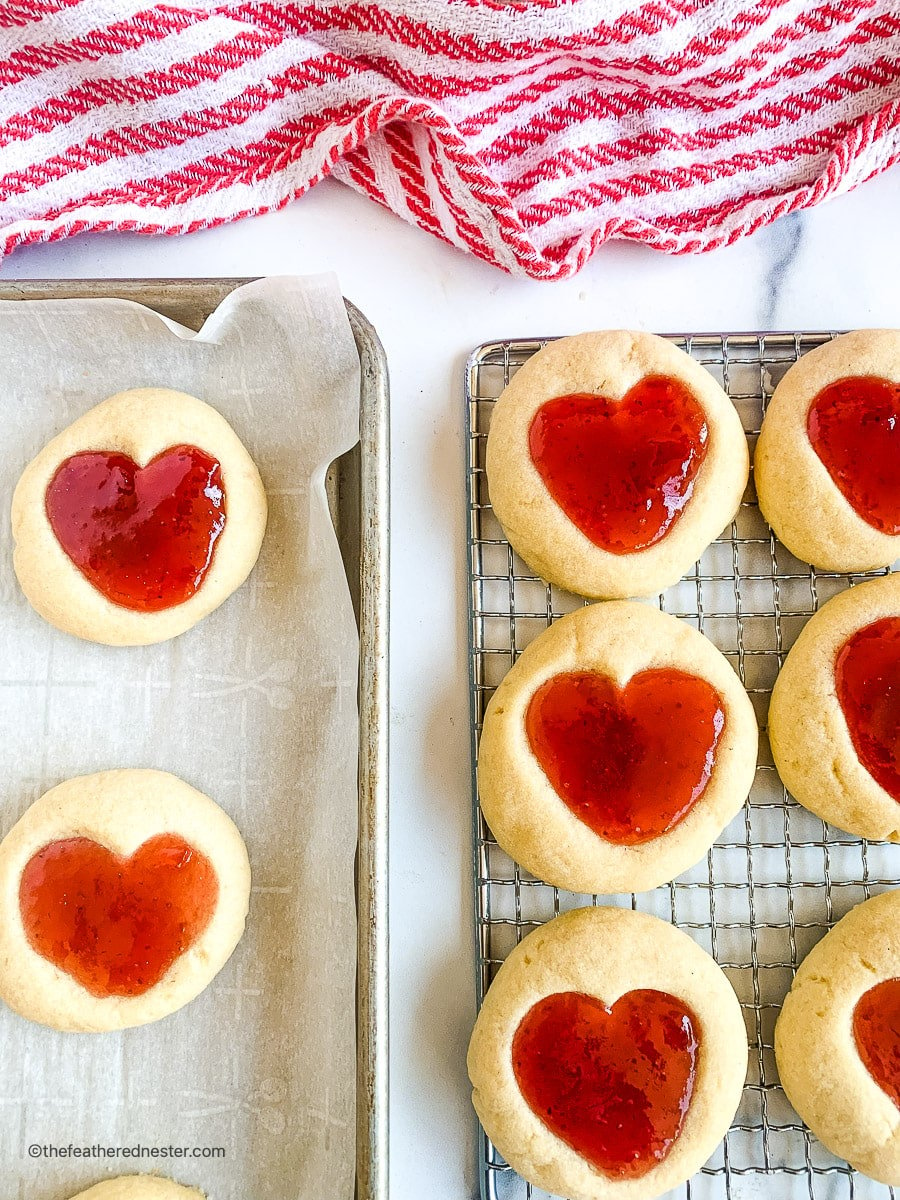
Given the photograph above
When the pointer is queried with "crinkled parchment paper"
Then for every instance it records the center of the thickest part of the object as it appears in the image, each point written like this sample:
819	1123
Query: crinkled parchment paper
256	706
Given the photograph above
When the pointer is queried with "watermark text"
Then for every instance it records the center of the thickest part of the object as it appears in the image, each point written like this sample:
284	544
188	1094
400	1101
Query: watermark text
139	1151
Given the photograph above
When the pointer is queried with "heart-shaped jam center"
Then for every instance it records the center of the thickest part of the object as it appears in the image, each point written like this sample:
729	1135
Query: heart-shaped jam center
854	427
116	925
622	471
613	1083
143	536
632	762
867	678
876	1028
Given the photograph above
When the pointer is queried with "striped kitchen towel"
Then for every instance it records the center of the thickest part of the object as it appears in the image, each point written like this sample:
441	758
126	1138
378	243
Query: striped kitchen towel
528	132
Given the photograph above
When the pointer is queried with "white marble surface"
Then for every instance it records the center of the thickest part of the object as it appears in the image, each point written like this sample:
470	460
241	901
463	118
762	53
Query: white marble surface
837	266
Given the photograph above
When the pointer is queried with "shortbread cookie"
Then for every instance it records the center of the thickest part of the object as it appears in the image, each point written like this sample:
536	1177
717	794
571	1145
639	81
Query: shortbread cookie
616	750
608	1057
826	461
138	520
834	720
837	1040
122	895
139	1187
613	460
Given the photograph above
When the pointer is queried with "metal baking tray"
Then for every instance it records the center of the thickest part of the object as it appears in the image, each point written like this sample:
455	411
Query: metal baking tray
778	877
357	486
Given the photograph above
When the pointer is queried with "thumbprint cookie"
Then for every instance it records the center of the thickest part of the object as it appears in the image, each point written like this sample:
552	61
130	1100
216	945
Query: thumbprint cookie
138	520
613	460
122	895
834	719
837	1039
139	1187
609	1055
615	750
826	462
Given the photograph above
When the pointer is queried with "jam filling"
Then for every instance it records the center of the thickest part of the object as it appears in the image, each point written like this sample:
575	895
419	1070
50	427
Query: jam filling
143	536
876	1029
116	925
613	1083
854	428
629	763
867	677
622	471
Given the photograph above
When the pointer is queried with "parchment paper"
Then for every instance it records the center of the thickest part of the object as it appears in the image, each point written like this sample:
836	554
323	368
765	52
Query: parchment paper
256	706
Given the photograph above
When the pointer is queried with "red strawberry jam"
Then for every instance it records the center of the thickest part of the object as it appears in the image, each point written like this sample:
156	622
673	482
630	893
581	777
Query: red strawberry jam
143	536
116	925
876	1028
629	763
622	471
613	1083
867	677
854	427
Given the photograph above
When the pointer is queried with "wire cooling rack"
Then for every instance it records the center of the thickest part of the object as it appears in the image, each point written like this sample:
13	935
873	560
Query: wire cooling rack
778	877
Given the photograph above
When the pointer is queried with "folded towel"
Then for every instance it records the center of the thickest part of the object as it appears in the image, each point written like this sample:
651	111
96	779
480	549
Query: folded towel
528	132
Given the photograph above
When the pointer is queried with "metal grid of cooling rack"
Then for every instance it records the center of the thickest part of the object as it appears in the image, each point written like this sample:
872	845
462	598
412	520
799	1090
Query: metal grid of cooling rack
777	878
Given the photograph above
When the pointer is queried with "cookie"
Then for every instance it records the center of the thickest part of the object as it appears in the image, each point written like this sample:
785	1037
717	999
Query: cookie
122	895
608	1057
616	749
613	460
138	520
826	460
139	1187
834	719
837	1039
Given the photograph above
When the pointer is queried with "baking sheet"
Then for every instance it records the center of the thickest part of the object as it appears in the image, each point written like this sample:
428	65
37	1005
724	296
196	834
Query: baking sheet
257	707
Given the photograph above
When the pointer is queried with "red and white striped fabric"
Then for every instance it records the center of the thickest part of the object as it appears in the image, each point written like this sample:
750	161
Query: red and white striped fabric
527	131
